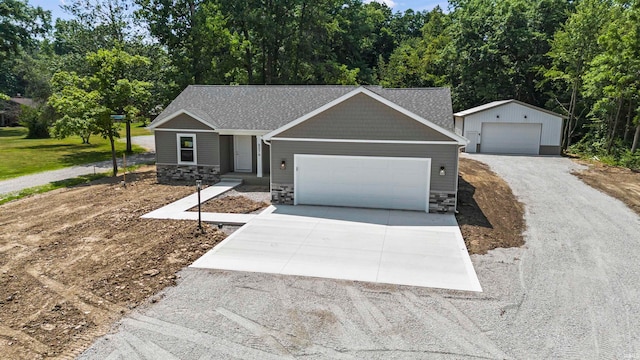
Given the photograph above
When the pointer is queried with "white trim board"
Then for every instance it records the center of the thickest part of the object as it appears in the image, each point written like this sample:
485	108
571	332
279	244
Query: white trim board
190	130
361	90
241	132
368	141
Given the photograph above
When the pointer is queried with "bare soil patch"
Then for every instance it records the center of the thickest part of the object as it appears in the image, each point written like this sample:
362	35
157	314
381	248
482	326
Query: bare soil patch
489	215
73	261
618	182
231	204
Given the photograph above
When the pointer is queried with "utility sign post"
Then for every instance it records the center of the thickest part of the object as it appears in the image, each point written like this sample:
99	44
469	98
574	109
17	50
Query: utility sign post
120	118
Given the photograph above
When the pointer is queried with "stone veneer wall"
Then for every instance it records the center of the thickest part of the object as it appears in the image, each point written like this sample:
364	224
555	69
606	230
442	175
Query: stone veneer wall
442	201
282	194
188	173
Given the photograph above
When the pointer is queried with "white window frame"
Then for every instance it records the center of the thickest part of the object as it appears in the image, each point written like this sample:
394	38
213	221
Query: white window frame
179	149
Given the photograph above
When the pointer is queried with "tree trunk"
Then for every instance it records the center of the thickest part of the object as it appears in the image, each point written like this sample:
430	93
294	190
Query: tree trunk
568	131
615	126
636	138
627	127
113	155
248	56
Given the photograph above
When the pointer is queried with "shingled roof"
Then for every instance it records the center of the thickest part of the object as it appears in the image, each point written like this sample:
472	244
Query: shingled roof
268	107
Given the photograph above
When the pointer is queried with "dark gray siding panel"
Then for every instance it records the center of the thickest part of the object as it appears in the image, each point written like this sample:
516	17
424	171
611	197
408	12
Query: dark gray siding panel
208	148
166	147
550	150
441	155
266	152
226	151
254	155
184	121
362	117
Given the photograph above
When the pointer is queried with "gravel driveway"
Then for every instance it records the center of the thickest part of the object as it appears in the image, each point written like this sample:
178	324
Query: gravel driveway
571	292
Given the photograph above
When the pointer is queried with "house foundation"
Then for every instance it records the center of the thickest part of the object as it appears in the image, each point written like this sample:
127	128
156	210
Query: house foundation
187	173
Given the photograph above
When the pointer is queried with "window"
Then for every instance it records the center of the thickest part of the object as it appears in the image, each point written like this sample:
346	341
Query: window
187	151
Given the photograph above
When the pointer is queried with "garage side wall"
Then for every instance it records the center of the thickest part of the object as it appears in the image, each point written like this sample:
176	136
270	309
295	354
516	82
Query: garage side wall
443	188
515	113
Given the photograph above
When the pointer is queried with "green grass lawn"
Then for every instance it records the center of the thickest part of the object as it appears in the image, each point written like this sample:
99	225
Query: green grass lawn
137	129
20	156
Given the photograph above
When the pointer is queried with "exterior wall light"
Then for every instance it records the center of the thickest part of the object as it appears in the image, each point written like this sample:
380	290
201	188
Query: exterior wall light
283	165
442	172
497	116
525	116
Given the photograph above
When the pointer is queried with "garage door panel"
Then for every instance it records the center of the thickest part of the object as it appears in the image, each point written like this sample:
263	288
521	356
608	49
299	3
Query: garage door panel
511	138
376	182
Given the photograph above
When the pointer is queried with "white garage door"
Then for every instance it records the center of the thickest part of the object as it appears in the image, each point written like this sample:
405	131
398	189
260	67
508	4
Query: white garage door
362	181
510	138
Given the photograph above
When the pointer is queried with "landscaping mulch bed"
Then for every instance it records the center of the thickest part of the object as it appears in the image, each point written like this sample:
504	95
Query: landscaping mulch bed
231	204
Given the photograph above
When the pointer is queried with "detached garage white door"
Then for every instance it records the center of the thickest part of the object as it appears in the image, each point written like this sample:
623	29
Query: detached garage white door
362	181
510	138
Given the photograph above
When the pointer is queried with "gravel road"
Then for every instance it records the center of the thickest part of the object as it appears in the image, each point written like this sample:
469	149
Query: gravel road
571	293
43	178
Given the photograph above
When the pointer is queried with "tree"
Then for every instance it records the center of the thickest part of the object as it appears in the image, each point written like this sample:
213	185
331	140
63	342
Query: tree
573	47
86	103
20	25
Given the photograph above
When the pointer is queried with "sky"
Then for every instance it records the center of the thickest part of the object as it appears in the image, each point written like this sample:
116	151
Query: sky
396	5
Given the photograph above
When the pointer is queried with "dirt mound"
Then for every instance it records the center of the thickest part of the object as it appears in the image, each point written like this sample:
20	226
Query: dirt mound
489	216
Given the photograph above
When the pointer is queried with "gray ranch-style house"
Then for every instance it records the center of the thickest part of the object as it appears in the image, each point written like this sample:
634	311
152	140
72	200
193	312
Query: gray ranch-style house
352	146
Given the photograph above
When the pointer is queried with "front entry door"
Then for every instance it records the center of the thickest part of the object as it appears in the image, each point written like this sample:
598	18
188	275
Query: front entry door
242	148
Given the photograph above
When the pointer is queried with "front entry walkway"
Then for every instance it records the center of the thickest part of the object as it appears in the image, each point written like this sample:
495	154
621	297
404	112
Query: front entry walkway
384	246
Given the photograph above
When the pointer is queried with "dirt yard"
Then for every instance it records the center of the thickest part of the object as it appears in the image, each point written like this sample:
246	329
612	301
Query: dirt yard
620	183
72	261
490	216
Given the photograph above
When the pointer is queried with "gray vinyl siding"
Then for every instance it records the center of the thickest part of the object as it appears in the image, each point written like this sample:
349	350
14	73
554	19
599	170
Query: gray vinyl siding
208	148
226	151
184	121
441	155
167	147
362	117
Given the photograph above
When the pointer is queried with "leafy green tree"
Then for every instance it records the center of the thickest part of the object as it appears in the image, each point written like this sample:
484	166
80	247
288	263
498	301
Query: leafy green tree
612	80
573	47
85	103
20	25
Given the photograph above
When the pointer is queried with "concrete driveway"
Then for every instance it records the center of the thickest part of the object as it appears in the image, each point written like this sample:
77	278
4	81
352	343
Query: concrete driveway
571	292
385	246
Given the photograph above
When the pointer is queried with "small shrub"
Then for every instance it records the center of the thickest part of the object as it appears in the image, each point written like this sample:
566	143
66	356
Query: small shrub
36	120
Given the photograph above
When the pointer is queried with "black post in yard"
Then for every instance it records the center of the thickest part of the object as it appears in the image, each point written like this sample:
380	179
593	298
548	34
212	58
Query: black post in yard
198	186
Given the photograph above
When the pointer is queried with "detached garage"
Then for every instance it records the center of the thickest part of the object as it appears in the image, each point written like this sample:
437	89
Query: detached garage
510	127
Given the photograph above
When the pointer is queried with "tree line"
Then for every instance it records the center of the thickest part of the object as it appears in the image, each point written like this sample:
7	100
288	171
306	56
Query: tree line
578	58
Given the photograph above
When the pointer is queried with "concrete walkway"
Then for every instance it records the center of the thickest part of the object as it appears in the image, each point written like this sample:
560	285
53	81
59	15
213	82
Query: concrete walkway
43	178
178	210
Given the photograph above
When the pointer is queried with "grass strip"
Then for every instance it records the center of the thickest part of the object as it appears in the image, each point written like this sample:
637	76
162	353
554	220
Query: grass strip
67	183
